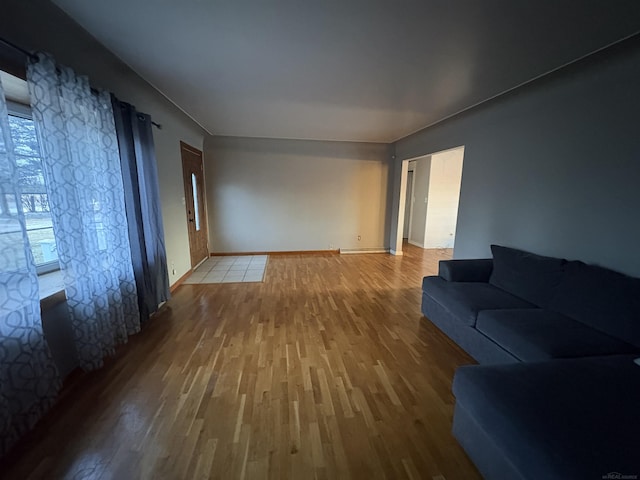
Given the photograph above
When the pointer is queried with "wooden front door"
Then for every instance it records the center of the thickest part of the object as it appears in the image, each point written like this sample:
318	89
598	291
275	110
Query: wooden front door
193	174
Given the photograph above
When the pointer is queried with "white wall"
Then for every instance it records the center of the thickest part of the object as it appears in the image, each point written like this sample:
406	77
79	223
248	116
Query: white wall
292	195
443	199
553	167
421	172
39	25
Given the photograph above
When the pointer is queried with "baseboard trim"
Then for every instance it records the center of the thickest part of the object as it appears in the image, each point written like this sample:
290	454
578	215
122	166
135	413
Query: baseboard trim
279	252
396	252
180	280
415	244
350	251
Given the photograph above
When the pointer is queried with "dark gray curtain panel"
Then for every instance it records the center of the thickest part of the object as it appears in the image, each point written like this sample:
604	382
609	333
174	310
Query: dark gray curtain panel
142	203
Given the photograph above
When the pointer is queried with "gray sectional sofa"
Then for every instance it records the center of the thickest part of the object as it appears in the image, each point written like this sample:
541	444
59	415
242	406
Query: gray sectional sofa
558	391
558	420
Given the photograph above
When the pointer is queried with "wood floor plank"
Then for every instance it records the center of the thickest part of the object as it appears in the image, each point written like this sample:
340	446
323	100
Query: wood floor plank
325	370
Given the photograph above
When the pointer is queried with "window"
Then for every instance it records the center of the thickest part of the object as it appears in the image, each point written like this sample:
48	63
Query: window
35	201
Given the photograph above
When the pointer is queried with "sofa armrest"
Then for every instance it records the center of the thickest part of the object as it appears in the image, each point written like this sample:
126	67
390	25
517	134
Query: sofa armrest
472	270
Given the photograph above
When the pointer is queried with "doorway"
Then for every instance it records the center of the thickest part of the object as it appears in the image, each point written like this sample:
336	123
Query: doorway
193	176
429	200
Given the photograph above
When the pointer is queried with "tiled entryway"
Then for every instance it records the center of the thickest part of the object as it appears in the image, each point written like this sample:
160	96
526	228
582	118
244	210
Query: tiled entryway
244	268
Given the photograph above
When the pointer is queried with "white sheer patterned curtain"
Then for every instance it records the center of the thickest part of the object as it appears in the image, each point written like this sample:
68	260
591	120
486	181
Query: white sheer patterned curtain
80	157
29	380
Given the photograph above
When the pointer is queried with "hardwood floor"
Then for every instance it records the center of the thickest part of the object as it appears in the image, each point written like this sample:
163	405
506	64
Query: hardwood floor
325	370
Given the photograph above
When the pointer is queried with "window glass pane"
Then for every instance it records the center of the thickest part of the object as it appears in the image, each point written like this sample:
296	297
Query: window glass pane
23	134
34	199
196	208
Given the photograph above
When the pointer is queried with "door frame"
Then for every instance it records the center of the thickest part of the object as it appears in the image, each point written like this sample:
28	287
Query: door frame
404	169
407	213
412	200
416	168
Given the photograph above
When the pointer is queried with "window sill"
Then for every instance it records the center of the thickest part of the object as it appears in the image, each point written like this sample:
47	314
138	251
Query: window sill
51	290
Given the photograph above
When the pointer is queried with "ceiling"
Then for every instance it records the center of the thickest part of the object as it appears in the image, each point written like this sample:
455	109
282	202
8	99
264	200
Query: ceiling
374	70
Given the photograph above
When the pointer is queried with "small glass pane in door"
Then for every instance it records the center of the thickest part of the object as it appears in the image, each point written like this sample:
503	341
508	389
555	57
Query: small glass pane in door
196	206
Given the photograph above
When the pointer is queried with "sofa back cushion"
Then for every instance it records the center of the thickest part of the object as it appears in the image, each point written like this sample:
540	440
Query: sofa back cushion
531	277
601	298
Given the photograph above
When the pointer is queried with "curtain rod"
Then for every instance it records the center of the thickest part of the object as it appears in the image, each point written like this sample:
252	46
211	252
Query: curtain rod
31	56
17	48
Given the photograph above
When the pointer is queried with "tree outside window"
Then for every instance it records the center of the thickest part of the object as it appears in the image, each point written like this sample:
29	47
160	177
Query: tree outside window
35	202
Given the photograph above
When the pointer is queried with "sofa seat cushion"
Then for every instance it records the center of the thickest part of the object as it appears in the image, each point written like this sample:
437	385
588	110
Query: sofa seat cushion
564	419
526	275
465	299
601	298
536	335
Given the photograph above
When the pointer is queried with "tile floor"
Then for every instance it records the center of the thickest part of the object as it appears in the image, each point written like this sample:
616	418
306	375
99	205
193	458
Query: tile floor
245	268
